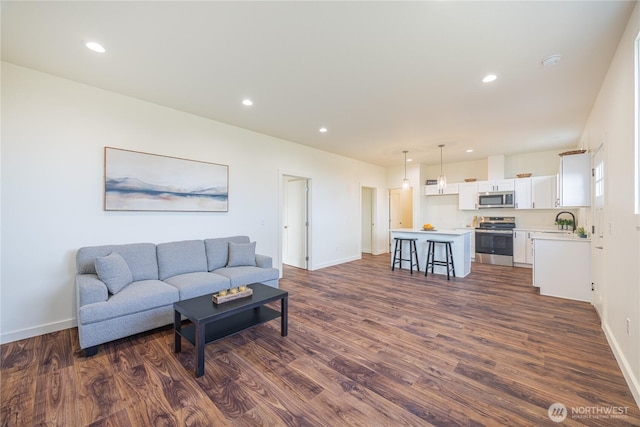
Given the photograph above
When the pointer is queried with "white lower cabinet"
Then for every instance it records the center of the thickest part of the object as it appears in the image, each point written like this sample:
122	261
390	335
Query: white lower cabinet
522	247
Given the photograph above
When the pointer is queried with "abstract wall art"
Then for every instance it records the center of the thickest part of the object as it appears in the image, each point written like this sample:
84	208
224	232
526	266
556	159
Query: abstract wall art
135	181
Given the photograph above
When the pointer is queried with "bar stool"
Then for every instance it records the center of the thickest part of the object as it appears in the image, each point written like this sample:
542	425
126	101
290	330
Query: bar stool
431	261
413	253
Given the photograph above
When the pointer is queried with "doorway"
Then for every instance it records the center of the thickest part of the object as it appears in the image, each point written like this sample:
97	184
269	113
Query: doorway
400	209
368	213
295	221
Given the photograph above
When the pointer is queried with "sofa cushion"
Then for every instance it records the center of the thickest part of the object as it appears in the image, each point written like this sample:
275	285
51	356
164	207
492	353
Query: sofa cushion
218	250
191	285
114	272
136	297
242	254
175	258
140	257
247	275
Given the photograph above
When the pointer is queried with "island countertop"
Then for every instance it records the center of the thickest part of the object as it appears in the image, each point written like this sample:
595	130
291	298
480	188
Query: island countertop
455	232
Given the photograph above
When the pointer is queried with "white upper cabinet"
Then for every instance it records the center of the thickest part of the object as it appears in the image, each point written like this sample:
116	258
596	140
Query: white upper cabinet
496	185
574	180
432	190
543	192
538	192
522	196
468	196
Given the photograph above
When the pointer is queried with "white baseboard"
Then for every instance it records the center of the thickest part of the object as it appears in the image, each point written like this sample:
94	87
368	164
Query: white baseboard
37	330
336	262
623	363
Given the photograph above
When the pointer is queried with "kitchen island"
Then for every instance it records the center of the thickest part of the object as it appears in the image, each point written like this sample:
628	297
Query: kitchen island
562	265
461	248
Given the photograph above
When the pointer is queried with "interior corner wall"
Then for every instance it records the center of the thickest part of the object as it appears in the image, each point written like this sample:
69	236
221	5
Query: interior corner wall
52	164
611	123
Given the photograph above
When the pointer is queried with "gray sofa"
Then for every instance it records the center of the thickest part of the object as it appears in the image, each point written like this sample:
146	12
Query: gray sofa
126	289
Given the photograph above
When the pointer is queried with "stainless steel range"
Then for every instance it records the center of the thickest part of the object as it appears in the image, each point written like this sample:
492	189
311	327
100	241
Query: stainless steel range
494	240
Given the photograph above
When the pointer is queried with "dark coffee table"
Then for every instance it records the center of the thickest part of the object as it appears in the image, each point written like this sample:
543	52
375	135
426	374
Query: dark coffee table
211	322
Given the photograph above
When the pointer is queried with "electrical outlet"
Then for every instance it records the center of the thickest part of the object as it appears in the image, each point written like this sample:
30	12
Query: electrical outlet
628	326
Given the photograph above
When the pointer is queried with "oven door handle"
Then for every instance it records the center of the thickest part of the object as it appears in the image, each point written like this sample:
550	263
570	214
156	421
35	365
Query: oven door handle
495	231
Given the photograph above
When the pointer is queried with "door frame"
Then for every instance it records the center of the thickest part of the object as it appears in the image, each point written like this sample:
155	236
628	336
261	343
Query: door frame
283	177
598	221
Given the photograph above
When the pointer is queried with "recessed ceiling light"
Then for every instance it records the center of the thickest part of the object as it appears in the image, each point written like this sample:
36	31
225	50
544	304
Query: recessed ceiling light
247	102
470	150
409	160
96	47
489	78
322	130
551	60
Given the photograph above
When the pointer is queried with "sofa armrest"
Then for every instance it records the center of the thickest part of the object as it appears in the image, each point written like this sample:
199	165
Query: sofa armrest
264	261
90	289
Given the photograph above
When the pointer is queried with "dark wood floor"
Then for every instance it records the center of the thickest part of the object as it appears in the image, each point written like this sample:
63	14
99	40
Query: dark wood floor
366	347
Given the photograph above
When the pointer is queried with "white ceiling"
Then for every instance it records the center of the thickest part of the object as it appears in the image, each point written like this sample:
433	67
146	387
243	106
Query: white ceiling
383	77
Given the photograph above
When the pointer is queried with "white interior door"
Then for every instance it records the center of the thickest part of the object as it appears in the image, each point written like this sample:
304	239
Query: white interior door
597	237
400	210
395	209
367	220
295	222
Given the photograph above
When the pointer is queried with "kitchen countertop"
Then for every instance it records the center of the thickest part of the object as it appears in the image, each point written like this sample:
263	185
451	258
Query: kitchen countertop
560	236
544	230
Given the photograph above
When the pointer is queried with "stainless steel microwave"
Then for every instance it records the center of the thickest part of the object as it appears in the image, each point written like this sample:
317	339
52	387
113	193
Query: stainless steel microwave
498	199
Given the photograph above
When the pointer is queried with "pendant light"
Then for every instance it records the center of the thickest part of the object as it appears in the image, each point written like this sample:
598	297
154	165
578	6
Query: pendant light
442	180
405	182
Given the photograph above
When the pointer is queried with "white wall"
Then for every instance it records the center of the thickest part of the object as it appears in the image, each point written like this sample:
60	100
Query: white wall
612	123
53	135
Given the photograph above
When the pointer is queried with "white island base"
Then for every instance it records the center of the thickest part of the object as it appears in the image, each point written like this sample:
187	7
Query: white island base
460	246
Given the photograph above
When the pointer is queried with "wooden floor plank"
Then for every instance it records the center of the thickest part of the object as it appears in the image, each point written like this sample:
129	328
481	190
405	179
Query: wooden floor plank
367	346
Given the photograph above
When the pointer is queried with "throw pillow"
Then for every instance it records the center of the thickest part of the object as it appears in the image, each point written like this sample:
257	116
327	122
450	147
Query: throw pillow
242	254
114	272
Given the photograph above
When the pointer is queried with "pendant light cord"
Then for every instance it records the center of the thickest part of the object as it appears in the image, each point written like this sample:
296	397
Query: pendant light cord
405	164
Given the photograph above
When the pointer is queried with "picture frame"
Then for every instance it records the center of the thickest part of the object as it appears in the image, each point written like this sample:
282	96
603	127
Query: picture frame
138	181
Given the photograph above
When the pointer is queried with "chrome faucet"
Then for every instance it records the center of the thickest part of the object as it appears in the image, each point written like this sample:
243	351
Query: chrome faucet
573	217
